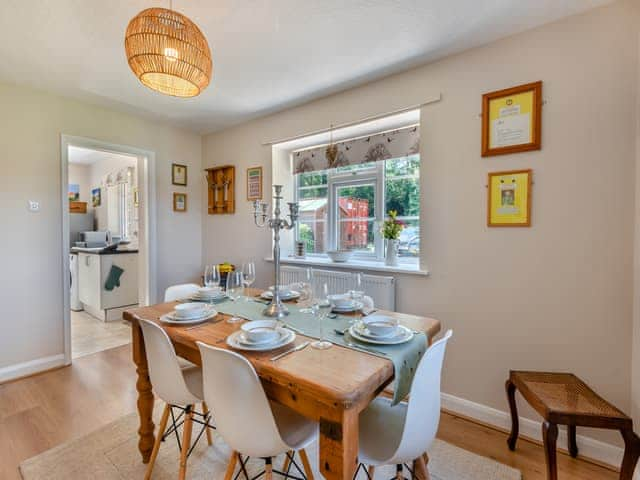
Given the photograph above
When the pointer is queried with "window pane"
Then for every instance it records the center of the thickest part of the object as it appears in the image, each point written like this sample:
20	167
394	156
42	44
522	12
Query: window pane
312	178
312	198
356	215
410	238
398	167
402	194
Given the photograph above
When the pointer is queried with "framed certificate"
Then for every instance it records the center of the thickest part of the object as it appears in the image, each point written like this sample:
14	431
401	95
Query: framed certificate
511	120
254	183
509	199
178	174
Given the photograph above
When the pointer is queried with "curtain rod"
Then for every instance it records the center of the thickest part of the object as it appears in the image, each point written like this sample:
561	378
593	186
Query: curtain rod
434	99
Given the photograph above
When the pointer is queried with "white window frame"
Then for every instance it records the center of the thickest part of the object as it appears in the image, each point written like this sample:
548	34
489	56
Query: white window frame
335	179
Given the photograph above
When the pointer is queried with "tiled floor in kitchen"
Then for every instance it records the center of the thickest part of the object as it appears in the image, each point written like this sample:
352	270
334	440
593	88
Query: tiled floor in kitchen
90	335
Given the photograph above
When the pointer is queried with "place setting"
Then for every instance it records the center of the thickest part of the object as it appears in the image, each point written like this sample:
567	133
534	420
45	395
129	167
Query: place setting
189	313
286	293
208	295
261	336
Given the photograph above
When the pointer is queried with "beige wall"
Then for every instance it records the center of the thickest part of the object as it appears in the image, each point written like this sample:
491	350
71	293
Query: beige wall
31	123
556	296
635	357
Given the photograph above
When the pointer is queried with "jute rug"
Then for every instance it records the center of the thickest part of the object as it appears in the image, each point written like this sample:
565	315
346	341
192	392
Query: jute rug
111	453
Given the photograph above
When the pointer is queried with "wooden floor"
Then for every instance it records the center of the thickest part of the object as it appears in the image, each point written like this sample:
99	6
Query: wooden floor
40	412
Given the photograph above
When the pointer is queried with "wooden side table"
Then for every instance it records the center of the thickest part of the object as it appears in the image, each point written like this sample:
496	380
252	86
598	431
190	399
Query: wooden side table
564	399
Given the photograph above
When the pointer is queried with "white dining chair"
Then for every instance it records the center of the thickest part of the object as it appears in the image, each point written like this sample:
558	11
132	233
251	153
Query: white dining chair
250	424
180	388
399	435
178	292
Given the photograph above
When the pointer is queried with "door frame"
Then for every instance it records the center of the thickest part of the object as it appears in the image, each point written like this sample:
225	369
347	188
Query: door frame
147	260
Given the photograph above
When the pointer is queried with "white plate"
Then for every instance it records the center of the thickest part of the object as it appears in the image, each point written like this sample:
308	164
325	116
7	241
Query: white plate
402	336
170	319
290	295
349	308
286	337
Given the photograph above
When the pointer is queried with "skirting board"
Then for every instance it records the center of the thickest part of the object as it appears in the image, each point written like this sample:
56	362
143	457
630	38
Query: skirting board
24	369
587	446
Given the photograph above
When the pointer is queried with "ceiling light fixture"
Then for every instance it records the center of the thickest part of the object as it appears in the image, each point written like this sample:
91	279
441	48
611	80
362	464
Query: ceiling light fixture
168	52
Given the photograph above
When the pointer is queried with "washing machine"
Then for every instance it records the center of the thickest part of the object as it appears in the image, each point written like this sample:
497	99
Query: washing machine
74	300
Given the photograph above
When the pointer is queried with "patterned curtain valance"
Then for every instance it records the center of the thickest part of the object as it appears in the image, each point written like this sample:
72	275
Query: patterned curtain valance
381	146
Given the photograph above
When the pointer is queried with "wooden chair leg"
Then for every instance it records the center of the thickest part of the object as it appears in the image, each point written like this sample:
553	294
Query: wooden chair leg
572	444
205	411
549	437
186	442
420	469
287	460
371	470
156	446
232	466
515	426
305	464
631	454
268	469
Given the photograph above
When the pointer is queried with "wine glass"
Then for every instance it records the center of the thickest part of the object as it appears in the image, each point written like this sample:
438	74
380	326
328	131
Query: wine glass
211	276
235	289
321	310
249	275
357	295
306	291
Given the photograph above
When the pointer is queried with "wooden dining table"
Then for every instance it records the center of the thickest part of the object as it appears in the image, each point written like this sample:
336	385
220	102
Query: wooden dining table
330	386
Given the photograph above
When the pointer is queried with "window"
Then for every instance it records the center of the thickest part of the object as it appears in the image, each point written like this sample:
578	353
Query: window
343	207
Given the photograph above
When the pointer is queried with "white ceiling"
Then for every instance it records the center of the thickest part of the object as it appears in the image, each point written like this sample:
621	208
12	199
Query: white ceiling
86	156
268	54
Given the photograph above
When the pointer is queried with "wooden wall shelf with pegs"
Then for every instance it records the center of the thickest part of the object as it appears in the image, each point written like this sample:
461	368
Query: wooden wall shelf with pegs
221	183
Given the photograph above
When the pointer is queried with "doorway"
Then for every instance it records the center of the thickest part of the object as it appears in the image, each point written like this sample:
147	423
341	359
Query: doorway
108	241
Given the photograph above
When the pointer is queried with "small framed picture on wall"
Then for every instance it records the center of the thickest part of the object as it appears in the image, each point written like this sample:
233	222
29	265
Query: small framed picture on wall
96	197
179	174
509	199
179	202
254	183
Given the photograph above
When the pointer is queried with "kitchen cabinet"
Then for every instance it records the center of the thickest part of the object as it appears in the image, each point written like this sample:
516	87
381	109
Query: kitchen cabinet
93	271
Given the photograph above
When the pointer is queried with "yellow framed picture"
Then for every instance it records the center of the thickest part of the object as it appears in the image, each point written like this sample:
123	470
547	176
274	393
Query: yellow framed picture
511	120
179	202
509	199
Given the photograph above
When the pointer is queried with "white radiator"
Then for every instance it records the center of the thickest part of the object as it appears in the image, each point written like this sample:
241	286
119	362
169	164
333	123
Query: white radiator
380	288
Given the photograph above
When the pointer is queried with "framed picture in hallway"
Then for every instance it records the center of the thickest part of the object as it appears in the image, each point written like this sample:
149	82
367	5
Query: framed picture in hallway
179	174
96	197
179	202
509	199
511	120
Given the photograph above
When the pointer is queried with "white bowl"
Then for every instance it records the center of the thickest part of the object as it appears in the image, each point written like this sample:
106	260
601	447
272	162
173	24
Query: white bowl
189	310
284	289
339	256
341	301
209	291
380	325
260	331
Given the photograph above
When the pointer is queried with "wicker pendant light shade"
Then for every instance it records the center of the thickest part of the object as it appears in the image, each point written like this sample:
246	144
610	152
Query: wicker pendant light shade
168	52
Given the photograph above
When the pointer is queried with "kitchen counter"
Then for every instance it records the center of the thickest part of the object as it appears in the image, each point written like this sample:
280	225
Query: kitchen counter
102	251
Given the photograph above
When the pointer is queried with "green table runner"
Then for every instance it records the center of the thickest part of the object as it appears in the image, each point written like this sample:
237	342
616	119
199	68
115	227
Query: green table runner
405	357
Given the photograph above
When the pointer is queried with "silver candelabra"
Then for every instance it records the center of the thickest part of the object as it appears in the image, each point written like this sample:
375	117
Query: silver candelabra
276	308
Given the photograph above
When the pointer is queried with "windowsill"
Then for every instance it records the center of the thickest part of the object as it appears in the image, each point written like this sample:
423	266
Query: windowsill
409	269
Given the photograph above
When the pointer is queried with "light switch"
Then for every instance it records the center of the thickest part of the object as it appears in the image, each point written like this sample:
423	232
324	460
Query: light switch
34	206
